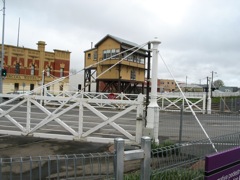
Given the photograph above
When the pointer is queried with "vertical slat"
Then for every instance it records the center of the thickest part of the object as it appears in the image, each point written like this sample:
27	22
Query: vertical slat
28	125
80	123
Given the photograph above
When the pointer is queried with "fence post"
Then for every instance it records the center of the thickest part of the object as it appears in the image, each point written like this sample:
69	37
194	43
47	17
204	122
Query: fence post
139	119
180	128
204	104
119	158
146	162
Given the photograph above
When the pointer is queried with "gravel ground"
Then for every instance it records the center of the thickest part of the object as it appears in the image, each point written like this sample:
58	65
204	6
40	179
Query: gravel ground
12	146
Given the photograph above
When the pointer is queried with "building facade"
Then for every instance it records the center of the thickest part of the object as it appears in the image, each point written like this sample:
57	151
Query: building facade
28	68
127	76
166	85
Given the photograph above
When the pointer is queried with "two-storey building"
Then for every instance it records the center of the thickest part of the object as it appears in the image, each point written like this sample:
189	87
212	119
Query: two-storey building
26	68
117	69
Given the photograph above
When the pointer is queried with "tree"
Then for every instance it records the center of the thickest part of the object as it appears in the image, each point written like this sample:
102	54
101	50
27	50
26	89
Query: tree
218	83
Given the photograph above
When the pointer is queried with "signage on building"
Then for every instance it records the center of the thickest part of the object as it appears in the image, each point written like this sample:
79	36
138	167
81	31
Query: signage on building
223	166
23	77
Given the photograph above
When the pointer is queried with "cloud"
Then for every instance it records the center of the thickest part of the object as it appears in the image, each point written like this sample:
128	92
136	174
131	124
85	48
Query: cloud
197	36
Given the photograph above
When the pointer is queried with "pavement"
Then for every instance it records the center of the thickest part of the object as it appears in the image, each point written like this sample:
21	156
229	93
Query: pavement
18	146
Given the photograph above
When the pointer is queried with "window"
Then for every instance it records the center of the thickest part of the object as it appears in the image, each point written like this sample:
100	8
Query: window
142	60
17	68
89	55
95	55
32	69
106	53
113	53
133	75
130	58
61	72
16	86
117	53
31	87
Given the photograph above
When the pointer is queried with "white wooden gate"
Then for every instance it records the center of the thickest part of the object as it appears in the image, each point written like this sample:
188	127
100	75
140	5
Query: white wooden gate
26	115
174	102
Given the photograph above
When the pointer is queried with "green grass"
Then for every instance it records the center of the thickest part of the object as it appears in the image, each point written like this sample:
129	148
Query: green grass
173	174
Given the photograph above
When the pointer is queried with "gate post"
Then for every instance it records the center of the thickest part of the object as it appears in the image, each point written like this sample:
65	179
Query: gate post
139	119
153	108
146	162
204	104
119	158
209	103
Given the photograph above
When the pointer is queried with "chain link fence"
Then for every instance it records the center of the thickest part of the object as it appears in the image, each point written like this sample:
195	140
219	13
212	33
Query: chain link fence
184	127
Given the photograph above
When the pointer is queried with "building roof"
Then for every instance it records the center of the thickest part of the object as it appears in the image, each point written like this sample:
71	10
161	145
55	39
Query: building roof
120	40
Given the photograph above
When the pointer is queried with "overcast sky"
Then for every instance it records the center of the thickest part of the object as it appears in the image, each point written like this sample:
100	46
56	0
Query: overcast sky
197	36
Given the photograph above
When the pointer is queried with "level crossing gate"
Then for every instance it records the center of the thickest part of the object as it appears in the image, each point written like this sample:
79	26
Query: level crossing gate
27	115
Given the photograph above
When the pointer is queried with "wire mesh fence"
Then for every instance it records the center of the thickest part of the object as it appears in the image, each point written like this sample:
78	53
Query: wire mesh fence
75	166
185	127
187	160
178	161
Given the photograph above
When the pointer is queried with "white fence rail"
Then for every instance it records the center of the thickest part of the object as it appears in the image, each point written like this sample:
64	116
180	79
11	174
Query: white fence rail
27	115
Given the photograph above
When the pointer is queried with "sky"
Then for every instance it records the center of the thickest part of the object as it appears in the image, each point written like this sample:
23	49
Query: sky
199	38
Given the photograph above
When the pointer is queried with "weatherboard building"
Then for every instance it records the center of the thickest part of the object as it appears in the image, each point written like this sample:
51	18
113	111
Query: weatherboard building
128	76
28	68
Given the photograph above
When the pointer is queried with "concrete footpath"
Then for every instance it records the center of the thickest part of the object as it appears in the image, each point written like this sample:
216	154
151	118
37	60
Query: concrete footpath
14	146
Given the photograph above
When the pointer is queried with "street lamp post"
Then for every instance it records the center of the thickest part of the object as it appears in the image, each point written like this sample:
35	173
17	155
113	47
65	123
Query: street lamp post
186	85
2	54
153	108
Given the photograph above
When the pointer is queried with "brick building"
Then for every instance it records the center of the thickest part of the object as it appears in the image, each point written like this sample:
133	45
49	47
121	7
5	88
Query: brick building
27	67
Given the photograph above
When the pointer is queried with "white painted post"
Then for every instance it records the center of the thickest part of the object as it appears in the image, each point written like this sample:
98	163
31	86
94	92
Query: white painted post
28	125
209	103
80	120
153	108
204	104
139	119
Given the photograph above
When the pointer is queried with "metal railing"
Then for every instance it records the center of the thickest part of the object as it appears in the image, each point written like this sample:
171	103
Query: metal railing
189	157
183	127
169	162
75	166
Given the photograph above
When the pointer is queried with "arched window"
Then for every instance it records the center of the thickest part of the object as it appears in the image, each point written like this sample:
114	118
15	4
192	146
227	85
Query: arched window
32	69
17	68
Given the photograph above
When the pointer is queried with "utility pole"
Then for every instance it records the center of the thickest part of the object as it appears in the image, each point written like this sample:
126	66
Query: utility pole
186	85
212	81
2	54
